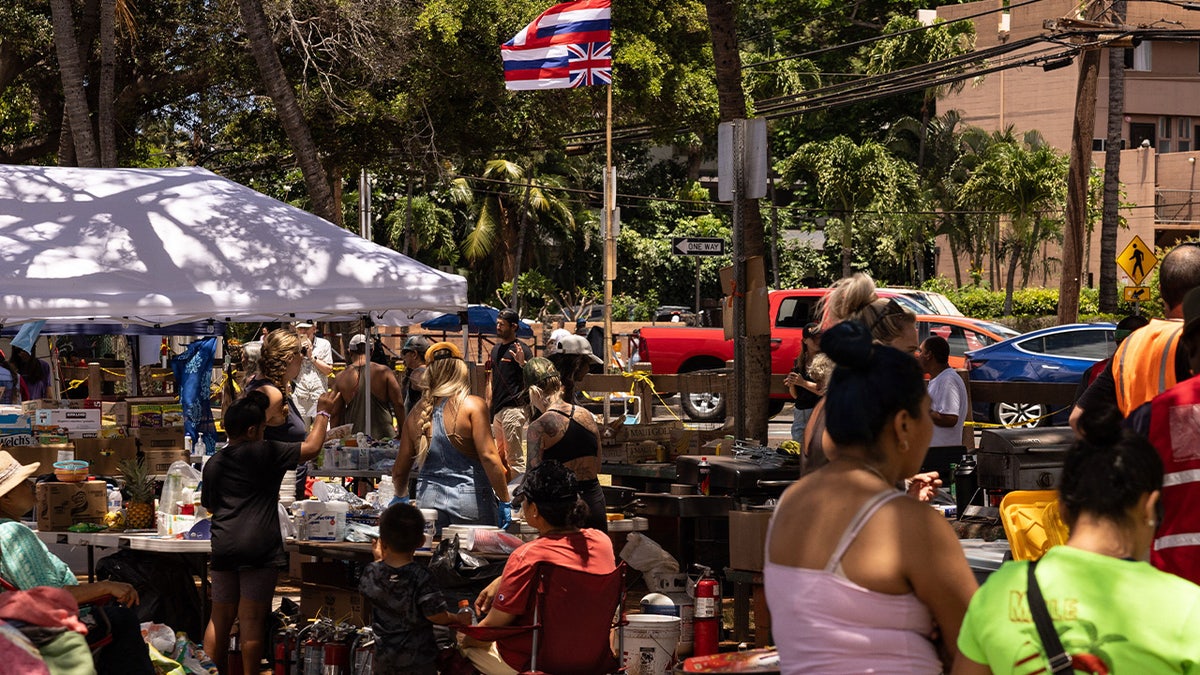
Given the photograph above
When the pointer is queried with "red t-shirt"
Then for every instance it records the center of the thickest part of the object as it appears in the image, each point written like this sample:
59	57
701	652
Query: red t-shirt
587	550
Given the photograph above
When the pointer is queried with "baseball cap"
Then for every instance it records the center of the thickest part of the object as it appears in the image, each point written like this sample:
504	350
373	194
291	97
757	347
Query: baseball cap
304	324
442	350
416	343
358	343
537	370
575	344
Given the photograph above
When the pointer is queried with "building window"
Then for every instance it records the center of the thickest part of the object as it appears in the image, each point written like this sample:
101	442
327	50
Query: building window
1184	127
1138	58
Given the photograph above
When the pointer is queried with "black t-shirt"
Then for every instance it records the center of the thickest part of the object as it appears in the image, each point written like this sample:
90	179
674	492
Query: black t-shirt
401	600
508	383
241	490
804	397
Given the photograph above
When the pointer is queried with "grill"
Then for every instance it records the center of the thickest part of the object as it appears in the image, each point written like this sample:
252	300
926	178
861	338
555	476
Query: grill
1022	459
738	477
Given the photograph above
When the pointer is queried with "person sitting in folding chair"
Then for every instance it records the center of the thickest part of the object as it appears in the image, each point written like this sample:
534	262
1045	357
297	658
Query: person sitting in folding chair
561	580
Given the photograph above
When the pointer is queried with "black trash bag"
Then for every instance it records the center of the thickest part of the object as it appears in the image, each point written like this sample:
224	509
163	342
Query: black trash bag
452	567
166	589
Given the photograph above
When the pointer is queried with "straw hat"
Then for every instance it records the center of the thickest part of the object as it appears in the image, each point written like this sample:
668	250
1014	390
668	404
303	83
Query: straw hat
13	473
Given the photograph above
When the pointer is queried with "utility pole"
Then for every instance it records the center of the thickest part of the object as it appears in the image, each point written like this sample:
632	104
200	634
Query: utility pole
1077	180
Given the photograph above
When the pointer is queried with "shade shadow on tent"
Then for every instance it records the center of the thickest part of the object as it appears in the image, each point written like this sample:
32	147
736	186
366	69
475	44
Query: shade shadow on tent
481	320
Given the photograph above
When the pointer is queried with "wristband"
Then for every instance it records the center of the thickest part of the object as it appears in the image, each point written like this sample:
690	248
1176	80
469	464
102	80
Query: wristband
323	413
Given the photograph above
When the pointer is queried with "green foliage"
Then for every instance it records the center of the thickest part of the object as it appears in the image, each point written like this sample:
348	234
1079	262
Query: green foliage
977	302
630	308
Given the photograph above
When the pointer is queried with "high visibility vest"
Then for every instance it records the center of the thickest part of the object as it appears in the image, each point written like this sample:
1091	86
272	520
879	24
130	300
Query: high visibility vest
1144	365
1175	433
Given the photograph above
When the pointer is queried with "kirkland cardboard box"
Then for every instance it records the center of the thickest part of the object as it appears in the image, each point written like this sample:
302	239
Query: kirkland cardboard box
748	539
61	505
82	420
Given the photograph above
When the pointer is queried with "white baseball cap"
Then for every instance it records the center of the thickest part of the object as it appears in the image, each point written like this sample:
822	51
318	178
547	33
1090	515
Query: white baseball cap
575	344
357	343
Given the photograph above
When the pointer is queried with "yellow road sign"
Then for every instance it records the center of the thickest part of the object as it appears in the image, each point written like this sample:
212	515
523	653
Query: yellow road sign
1137	293
1137	260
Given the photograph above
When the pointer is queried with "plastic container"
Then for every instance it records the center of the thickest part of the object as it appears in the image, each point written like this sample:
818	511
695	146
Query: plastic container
1032	522
386	490
431	517
650	641
323	521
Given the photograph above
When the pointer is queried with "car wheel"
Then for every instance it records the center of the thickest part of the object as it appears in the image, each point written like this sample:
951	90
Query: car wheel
1019	414
705	406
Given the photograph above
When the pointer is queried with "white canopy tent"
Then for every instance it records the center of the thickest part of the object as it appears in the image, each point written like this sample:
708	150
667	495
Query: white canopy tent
164	246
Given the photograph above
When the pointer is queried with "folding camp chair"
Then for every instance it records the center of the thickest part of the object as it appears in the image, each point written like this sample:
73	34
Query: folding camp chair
574	614
90	613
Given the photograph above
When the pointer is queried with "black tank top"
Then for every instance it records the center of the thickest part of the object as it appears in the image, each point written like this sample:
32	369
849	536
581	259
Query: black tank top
292	430
576	441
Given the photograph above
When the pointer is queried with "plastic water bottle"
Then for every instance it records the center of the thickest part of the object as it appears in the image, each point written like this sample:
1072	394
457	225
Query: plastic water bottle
115	501
464	609
386	491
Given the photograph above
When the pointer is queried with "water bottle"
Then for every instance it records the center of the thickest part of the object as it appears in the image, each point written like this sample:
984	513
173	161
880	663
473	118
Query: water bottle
386	491
115	502
464	609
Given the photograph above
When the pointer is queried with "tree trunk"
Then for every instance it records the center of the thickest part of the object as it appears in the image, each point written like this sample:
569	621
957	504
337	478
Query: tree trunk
1111	219
107	93
290	116
957	264
1077	186
1013	262
518	257
71	71
731	100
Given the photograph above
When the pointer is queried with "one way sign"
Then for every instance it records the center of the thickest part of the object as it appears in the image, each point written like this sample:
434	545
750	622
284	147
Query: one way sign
698	246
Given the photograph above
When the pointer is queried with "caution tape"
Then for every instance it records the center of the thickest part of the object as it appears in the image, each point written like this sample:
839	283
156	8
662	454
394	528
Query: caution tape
641	377
1015	425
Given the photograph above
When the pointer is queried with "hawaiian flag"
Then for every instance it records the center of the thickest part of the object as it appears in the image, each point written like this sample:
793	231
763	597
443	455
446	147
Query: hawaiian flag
569	45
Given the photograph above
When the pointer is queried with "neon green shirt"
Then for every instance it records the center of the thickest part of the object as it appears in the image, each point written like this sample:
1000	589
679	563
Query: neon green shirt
1112	615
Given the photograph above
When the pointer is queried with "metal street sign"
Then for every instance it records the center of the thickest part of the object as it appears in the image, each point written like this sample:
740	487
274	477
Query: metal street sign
698	246
1137	260
1137	293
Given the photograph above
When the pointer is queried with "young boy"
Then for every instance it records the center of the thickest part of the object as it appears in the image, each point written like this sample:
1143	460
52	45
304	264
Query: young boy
405	601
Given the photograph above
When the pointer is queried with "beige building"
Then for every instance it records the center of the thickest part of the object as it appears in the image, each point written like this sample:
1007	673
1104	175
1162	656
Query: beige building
1161	117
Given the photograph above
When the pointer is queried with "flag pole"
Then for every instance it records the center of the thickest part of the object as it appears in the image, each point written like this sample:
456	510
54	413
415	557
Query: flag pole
610	240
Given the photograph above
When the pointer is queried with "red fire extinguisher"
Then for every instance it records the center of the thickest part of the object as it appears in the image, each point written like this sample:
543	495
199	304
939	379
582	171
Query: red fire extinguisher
285	650
706	622
337	658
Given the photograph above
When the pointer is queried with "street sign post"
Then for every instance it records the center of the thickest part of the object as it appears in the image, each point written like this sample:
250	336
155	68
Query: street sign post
704	246
1137	260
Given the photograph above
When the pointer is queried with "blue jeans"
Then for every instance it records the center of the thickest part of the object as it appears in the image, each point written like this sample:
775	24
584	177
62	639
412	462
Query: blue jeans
799	421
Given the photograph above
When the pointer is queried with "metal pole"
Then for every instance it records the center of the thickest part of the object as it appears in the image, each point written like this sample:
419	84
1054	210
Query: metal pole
739	282
697	308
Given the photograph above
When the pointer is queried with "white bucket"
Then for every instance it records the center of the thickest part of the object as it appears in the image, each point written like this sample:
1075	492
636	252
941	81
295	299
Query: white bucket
431	516
650	641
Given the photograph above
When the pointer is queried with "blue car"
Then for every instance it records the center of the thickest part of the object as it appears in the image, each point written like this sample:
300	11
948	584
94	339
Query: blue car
1058	354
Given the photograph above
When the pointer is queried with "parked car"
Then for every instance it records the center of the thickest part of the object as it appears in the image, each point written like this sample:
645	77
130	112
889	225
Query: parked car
921	302
963	333
1059	354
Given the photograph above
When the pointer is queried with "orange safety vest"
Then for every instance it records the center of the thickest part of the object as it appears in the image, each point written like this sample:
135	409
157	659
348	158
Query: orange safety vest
1144	365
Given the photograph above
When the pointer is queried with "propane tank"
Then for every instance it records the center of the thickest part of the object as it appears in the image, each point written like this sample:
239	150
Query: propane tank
706	624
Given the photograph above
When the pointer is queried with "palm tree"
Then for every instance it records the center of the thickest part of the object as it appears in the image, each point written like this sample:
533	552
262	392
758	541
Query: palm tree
66	48
1027	182
511	205
275	80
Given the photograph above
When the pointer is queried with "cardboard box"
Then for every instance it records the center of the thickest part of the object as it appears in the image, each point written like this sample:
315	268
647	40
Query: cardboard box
159	438
632	453
334	573
105	454
46	455
340	604
118	411
61	505
172	415
748	539
159	461
145	415
45	403
17	440
83	419
15	423
635	433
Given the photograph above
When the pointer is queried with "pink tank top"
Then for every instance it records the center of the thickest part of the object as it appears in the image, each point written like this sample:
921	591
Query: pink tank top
825	623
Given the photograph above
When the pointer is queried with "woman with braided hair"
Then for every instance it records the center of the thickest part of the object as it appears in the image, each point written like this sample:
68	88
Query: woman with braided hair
279	363
448	436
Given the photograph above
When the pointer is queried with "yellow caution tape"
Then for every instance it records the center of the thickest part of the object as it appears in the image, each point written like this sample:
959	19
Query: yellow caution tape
992	425
641	377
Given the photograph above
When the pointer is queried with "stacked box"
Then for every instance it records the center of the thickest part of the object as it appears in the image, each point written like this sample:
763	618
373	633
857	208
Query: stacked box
118	411
145	415
61	505
105	454
160	461
172	415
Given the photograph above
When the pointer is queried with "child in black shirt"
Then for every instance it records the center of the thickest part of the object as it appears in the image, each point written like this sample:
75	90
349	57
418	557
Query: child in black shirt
405	601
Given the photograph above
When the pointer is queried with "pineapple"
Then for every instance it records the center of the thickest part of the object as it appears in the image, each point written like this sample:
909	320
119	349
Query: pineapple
139	488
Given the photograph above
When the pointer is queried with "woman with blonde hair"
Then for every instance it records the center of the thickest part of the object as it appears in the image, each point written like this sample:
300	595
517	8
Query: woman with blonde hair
279	363
449	438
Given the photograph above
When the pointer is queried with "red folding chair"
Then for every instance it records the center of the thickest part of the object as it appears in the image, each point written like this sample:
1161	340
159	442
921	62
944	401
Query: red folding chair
574	614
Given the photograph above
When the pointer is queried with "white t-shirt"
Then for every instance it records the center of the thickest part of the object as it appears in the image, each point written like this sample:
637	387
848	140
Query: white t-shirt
948	395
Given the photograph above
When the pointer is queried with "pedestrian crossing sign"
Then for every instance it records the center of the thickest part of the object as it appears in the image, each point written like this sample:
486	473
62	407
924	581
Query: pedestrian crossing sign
1137	260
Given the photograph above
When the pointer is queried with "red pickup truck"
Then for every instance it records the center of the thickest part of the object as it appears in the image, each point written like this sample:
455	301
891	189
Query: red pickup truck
673	350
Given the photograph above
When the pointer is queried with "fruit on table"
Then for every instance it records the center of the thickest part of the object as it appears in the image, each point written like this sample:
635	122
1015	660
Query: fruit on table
139	493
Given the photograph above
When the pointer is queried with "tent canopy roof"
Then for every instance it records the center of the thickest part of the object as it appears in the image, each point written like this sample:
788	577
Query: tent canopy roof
165	246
